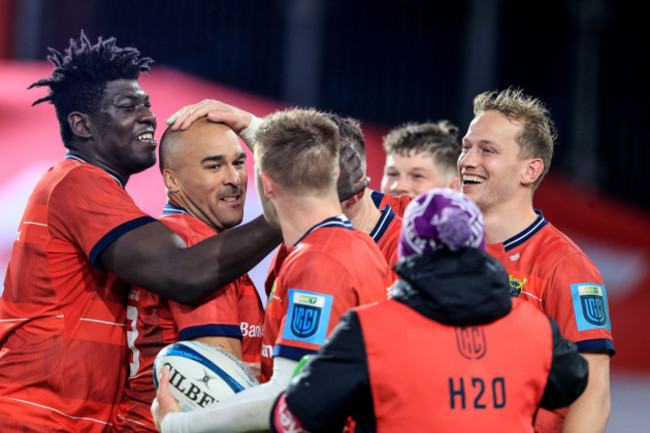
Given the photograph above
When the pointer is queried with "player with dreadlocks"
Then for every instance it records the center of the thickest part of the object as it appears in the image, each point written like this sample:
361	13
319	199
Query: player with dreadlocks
82	240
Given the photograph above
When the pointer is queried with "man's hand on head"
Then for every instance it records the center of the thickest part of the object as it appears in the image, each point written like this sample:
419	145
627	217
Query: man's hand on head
352	176
217	111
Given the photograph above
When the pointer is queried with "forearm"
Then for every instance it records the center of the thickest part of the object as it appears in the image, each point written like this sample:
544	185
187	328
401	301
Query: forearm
155	258
590	412
247	411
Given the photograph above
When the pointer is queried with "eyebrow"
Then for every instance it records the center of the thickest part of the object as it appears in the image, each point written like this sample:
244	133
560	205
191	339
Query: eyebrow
219	158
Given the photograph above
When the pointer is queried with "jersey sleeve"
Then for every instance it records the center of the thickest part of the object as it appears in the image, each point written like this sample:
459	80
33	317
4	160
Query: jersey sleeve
217	317
94	210
316	300
335	383
577	301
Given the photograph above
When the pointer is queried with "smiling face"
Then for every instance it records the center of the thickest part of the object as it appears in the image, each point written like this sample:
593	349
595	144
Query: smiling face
413	173
205	173
491	170
122	130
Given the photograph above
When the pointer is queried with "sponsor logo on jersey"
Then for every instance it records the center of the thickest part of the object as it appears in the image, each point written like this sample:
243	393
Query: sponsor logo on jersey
134	295
590	306
307	316
515	257
471	342
516	285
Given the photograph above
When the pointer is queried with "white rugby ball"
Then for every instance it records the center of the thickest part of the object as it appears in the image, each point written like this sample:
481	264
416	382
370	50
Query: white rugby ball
201	374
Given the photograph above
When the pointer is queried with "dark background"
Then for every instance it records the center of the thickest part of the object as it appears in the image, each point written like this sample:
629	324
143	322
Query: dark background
388	61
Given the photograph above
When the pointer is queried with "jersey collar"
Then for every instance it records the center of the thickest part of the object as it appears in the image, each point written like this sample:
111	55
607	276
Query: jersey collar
387	216
69	155
527	233
340	221
170	209
376	197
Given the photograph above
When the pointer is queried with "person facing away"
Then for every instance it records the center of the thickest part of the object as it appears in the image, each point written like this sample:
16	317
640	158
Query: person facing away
205	177
450	352
383	226
506	152
330	267
82	241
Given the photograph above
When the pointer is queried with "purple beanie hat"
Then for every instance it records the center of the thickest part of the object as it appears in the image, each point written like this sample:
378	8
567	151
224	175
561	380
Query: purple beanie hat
441	217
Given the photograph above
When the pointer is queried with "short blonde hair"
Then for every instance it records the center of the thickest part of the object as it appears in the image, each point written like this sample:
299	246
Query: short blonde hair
299	149
538	132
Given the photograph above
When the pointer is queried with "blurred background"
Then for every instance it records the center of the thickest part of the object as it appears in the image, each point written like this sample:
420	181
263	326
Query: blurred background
384	62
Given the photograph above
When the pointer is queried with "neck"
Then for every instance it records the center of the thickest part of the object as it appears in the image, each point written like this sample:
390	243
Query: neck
363	215
299	214
508	219
90	159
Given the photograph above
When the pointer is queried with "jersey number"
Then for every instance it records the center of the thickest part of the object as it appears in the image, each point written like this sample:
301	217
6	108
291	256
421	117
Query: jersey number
131	335
477	388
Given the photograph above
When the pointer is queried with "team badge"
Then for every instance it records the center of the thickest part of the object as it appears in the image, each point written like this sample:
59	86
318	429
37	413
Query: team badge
307	316
268	301
516	285
471	342
590	306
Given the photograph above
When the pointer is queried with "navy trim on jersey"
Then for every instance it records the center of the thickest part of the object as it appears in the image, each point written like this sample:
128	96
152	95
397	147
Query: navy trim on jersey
210	331
340	221
118	231
376	197
527	233
170	209
387	216
69	155
289	352
596	345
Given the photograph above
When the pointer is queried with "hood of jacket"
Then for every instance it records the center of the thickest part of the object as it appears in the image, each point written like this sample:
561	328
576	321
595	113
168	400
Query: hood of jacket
467	287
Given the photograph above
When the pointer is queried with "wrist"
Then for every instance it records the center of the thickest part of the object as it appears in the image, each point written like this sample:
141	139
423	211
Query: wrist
248	134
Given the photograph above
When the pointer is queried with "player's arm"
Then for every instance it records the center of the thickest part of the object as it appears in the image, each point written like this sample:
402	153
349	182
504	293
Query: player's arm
335	381
231	345
154	257
569	373
590	412
247	411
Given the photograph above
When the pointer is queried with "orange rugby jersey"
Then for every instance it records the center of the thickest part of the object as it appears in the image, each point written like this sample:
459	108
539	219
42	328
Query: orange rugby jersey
549	270
233	311
62	319
331	269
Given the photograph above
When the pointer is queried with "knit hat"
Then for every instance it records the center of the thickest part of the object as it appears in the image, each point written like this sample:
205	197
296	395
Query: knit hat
440	218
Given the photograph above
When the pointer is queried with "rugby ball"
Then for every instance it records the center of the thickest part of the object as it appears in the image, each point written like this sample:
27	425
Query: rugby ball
201	374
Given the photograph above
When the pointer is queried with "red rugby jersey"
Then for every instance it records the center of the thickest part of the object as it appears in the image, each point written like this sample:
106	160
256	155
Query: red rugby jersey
386	236
331	269
549	270
233	311
398	204
62	319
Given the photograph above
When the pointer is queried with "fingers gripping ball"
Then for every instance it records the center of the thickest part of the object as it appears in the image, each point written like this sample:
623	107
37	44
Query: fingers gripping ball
201	374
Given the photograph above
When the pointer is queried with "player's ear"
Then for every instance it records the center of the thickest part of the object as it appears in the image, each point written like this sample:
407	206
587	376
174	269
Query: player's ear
79	124
267	183
531	171
172	183
353	200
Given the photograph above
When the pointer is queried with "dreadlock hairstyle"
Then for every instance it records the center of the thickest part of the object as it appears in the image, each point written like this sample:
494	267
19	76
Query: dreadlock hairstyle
79	78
